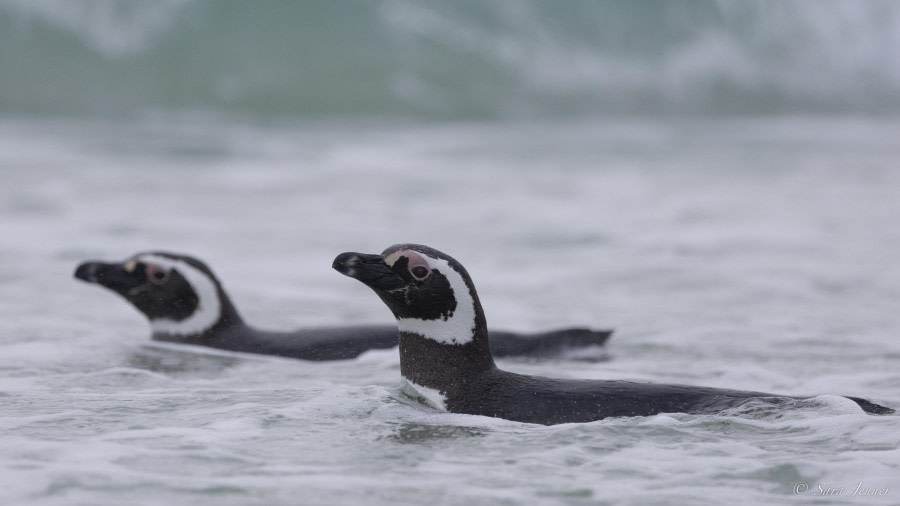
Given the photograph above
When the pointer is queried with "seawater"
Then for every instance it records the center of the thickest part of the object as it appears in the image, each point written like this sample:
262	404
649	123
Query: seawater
755	254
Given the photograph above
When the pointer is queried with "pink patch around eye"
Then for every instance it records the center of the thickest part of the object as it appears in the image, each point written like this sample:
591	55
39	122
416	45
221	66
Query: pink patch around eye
157	274
415	259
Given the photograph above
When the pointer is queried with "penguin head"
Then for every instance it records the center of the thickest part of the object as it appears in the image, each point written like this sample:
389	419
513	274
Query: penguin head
178	294
429	292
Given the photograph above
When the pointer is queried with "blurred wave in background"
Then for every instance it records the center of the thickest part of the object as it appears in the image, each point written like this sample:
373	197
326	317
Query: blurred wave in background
449	60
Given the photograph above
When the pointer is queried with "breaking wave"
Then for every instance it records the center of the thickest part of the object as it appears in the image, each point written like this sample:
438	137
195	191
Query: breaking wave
449	60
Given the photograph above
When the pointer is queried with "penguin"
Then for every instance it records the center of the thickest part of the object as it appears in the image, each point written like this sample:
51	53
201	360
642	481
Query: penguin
446	360
185	303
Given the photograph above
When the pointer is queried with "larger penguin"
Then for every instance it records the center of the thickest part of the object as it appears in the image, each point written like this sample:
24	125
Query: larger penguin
186	303
445	352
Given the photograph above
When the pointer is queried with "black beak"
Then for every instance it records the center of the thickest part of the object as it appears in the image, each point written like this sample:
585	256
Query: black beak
88	271
369	269
112	276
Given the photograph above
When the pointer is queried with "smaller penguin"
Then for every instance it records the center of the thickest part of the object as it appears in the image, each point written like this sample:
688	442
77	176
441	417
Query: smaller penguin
186	303
445	354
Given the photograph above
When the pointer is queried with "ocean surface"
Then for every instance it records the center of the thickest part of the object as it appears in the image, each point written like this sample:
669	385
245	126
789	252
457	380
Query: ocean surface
755	253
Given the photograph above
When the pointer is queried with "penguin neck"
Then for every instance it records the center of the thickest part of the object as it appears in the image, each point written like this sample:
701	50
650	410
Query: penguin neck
444	367
229	321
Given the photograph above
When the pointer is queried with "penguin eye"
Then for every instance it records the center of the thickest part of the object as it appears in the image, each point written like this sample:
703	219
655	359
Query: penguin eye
420	272
156	274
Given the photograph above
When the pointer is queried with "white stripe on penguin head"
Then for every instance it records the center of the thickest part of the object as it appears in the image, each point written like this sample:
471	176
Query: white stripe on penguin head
209	307
459	327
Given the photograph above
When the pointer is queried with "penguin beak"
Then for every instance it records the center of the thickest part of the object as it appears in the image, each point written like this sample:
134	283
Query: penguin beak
108	275
369	269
